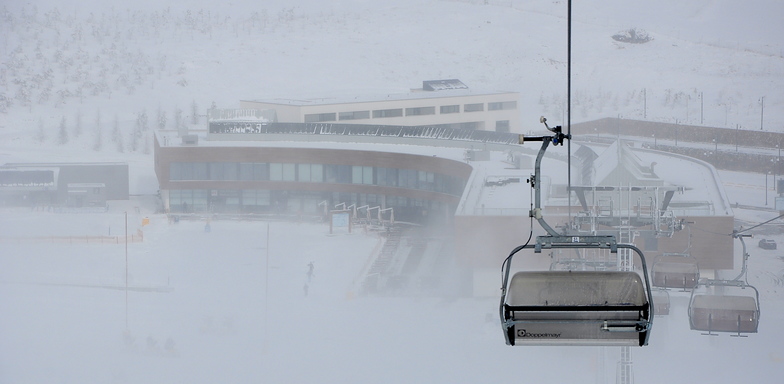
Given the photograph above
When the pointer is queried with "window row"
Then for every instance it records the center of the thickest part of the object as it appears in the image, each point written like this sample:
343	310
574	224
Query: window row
415	111
316	173
299	202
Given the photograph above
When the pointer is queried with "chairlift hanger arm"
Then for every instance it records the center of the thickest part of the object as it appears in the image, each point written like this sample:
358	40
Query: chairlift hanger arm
557	138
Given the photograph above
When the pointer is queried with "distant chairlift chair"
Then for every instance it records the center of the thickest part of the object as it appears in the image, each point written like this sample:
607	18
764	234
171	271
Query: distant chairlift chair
671	270
725	305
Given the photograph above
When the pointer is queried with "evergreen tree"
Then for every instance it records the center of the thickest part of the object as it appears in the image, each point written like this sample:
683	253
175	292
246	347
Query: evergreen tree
161	120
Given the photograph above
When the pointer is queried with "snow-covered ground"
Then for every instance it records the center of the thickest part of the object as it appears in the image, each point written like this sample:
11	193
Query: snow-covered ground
237	312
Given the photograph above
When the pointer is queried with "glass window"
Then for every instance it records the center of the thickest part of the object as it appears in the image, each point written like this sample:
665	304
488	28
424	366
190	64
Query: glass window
450	109
356	174
388	113
420	111
474	107
230	171
502	126
223	171
199	200
246	171
503	105
261	171
331	173
303	172
276	171
200	171
344	174
255	197
177	171
392	179
317	117
356	115
367	175
316	173
289	172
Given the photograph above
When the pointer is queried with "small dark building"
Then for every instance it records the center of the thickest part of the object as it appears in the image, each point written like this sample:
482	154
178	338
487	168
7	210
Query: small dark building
63	184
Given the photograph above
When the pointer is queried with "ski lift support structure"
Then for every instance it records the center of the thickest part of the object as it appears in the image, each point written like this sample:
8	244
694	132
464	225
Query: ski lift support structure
592	308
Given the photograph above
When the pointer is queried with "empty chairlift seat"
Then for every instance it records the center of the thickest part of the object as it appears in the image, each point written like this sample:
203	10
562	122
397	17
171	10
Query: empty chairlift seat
661	301
724	313
675	271
577	308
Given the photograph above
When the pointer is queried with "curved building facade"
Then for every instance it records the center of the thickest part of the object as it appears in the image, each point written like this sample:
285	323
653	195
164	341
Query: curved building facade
240	176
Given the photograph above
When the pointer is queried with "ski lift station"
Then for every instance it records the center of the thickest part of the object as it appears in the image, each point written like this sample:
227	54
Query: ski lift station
307	159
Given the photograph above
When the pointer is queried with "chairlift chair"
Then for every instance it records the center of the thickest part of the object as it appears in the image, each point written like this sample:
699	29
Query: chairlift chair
726	305
661	300
713	311
608	308
603	308
672	270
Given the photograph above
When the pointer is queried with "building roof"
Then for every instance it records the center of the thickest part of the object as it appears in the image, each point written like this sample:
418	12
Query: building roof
497	186
443	91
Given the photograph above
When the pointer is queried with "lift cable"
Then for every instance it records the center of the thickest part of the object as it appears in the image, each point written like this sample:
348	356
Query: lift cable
758	225
569	104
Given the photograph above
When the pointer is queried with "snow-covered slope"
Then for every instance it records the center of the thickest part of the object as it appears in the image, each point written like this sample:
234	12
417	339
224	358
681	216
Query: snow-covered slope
147	64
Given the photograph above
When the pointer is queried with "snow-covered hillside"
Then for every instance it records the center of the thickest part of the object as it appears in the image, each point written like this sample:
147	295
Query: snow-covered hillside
97	76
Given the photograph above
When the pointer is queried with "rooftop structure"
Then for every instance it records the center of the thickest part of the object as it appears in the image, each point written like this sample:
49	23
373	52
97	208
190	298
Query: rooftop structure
439	103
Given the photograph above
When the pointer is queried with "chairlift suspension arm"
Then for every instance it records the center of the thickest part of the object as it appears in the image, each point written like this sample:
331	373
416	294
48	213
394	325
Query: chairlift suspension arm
557	139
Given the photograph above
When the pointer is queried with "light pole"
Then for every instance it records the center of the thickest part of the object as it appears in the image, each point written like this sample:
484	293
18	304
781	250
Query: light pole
126	270
762	110
776	167
654	140
266	289
702	104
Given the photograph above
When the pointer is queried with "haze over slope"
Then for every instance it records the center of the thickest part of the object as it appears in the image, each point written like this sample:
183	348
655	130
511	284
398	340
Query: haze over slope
109	71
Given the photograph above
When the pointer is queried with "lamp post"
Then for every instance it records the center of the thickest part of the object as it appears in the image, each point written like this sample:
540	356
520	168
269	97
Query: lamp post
654	140
762	110
766	187
126	270
702	104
